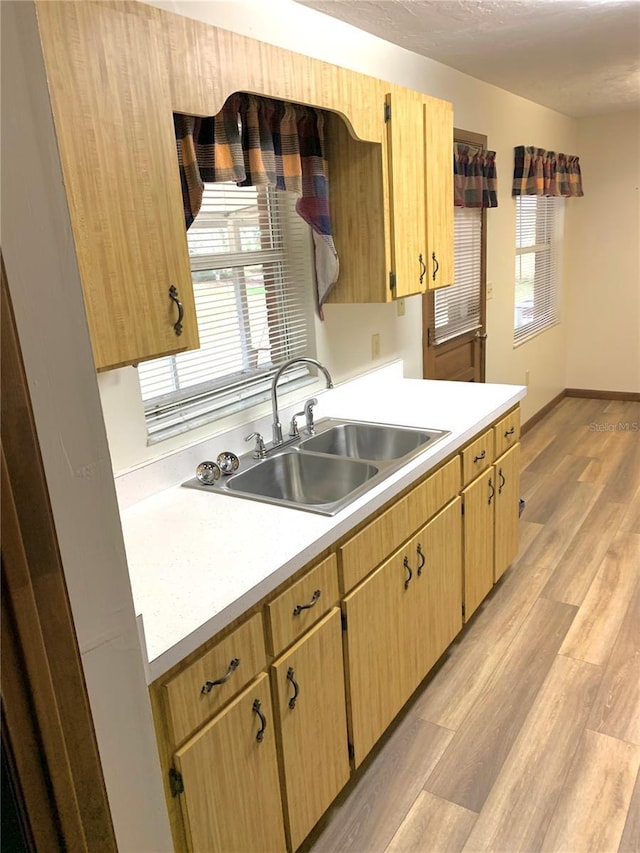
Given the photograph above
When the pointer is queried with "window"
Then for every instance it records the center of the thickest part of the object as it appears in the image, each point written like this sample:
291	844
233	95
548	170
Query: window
457	308
539	224
250	258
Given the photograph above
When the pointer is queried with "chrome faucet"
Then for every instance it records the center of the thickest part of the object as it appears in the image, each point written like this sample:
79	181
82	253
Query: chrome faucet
277	427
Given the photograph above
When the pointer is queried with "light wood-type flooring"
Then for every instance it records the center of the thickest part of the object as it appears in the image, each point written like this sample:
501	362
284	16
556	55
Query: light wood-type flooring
526	737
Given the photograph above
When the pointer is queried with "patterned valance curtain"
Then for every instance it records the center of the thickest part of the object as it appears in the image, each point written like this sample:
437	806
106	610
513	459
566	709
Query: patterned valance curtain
540	172
475	181
256	141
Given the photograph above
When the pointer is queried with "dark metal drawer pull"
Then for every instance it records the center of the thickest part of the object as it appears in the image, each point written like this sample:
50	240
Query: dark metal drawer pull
408	568
297	610
263	720
173	295
423	559
502	477
480	456
509	432
423	268
208	685
436	265
493	490
296	688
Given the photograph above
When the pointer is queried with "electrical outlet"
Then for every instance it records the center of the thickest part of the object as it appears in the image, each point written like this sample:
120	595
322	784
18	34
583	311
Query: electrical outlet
527	374
400	307
375	346
489	290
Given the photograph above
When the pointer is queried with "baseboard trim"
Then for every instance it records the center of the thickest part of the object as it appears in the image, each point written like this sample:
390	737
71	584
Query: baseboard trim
540	414
630	396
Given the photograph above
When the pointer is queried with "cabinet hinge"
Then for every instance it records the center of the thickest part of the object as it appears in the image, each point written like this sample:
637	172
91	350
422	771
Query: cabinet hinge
387	112
352	752
175	782
462	507
343	619
392	281
463	611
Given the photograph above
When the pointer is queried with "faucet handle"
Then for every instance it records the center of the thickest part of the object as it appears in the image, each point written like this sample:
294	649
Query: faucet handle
259	451
294	432
308	413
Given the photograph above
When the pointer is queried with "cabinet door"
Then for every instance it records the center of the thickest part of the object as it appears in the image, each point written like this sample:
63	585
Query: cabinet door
310	705
380	662
231	800
407	181
507	470
438	140
478	499
110	96
441	573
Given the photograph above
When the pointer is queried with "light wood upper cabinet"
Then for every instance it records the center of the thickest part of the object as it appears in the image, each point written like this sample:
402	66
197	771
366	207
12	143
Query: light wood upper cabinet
438	158
231	798
507	473
310	706
109	89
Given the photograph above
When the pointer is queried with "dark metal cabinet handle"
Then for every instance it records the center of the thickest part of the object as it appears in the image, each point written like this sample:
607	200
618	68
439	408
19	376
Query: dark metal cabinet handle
492	492
480	456
436	265
423	268
263	720
208	685
297	610
173	295
502	477
296	688
423	559
509	432
408	568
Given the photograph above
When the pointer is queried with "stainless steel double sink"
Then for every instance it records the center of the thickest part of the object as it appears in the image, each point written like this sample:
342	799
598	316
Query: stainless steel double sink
325	472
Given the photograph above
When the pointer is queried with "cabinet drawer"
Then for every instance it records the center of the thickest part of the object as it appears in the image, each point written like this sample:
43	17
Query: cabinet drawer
477	457
377	540
293	612
234	661
507	432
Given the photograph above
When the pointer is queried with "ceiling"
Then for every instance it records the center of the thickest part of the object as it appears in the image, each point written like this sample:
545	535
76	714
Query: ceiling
580	57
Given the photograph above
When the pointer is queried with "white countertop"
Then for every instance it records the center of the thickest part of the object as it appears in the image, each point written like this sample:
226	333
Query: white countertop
197	560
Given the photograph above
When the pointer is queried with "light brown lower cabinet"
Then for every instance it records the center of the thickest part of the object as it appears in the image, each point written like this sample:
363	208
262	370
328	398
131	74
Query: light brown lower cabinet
231	799
507	474
311	720
398	622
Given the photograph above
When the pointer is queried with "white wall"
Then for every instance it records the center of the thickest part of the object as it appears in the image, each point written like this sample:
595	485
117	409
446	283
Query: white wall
604	308
344	340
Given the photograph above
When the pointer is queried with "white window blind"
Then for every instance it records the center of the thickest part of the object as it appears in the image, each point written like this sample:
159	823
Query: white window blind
457	308
250	258
539	223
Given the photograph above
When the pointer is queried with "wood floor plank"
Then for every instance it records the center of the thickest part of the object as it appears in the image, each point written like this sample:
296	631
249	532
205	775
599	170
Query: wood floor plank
631	520
473	659
516	814
366	816
599	619
616	710
600	785
555	488
472	761
630	841
623	482
567	423
549	546
577	567
433	825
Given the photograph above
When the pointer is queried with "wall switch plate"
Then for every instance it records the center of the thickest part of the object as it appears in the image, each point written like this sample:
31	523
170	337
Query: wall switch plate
489	290
400	307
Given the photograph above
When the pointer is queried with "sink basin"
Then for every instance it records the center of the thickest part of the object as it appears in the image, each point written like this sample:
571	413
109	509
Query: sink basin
376	442
302	479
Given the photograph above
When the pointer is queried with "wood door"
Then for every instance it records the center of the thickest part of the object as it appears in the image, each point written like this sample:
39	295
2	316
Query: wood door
454	319
507	524
378	662
438	142
111	103
311	712
231	799
442	574
407	181
478	537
